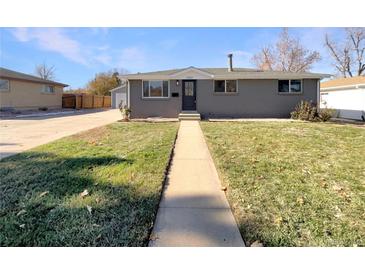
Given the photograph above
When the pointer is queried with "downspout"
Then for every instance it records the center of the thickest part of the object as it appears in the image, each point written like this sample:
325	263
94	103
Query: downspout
128	95
318	95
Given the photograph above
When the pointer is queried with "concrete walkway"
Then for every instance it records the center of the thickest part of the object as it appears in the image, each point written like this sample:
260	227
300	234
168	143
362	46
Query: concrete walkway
19	134
194	210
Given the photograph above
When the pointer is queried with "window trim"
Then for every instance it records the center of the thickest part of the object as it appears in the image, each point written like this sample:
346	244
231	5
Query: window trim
149	90
8	89
44	91
291	92
225	86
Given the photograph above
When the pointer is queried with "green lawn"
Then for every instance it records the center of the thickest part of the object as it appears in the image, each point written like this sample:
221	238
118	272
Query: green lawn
293	183
121	166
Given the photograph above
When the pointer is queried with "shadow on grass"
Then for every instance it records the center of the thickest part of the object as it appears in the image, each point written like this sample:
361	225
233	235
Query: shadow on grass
8	144
40	203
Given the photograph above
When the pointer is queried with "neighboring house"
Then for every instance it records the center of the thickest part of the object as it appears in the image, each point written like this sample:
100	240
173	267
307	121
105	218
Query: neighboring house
219	92
24	91
119	94
346	95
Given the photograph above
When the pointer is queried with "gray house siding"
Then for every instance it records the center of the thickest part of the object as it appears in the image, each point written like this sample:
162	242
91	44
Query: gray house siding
154	107
255	98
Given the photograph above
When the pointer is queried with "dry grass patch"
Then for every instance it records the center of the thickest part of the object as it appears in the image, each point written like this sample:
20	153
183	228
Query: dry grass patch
97	188
293	184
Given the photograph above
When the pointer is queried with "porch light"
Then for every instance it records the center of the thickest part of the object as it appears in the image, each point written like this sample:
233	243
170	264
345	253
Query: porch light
177	82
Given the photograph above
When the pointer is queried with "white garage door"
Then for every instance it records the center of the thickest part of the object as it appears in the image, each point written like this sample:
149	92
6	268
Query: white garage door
120	96
349	103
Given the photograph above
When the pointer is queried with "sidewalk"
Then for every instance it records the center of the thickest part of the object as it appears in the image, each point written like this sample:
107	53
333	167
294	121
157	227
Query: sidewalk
194	210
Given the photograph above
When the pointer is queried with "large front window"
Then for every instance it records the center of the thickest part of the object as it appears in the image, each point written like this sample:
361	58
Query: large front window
290	86
155	88
225	86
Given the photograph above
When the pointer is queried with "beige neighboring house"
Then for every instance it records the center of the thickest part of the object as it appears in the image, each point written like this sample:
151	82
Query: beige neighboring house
21	91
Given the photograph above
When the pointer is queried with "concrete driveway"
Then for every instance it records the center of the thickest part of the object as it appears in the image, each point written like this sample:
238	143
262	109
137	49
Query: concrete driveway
17	135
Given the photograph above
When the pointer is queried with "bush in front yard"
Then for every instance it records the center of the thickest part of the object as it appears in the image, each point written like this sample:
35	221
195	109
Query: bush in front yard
125	111
308	111
325	114
305	111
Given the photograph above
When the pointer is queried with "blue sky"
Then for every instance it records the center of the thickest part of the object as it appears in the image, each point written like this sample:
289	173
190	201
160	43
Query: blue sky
79	53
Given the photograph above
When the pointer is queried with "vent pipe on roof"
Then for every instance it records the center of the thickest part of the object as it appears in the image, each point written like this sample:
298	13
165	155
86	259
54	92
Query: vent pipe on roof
230	66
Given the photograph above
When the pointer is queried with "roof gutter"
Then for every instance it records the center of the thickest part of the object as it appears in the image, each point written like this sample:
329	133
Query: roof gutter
223	77
356	86
35	81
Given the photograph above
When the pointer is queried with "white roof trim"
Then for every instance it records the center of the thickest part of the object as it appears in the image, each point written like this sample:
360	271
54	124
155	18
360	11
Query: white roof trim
141	76
193	73
117	88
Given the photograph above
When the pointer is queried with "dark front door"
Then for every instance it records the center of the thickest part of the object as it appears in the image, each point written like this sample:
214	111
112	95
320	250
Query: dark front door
189	95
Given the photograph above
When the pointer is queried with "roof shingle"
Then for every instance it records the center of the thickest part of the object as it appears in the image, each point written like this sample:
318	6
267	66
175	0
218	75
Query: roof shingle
358	80
237	73
11	74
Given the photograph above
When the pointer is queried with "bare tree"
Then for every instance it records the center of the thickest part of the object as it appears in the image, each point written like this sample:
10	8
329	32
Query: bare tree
288	54
121	71
117	72
349	58
264	60
357	36
45	72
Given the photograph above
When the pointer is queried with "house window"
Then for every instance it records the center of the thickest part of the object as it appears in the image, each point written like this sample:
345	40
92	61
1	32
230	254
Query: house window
290	86
49	89
231	86
155	89
219	86
225	86
4	85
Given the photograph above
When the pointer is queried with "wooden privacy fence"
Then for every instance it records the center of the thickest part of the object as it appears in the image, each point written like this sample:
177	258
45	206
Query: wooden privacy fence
79	101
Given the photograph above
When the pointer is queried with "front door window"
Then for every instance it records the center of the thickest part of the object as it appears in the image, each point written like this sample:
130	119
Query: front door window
189	95
189	89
